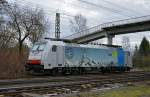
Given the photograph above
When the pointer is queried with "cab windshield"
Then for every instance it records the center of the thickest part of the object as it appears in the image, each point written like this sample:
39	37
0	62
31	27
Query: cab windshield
38	47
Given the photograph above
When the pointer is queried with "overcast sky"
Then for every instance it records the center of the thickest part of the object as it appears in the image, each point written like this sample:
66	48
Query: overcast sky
96	12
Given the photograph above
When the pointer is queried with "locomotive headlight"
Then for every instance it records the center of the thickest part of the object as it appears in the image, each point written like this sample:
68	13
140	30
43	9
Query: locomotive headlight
34	62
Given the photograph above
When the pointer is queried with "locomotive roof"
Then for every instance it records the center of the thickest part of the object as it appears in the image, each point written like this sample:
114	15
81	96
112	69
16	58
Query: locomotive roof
65	42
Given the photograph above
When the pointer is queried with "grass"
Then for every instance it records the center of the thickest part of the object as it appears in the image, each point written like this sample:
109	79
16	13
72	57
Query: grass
144	68
131	91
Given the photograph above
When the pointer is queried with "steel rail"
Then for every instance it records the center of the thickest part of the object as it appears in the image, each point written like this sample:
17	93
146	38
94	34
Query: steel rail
14	89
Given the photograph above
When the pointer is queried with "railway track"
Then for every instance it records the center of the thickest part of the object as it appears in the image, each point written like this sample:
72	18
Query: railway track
12	87
44	79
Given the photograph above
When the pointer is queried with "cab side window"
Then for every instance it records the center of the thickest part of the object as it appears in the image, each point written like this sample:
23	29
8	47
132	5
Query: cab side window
54	48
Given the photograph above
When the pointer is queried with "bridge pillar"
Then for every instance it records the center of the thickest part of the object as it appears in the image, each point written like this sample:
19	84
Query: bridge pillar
110	39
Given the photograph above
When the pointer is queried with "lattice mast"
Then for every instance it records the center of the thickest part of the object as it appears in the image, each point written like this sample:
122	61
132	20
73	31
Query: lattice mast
57	26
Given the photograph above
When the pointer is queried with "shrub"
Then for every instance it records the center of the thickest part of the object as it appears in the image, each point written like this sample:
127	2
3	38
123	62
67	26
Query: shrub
11	64
142	62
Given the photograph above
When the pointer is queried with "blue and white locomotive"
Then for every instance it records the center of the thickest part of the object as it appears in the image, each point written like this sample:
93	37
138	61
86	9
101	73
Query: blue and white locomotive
61	57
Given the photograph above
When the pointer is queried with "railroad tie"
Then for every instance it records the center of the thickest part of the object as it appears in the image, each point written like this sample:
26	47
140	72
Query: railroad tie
30	95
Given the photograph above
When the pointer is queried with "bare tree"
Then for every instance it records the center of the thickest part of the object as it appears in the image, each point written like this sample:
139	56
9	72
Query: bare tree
3	3
26	23
6	37
42	25
126	43
3	6
78	24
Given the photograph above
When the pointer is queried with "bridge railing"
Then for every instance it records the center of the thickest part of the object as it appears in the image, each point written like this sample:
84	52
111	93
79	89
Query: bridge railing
108	24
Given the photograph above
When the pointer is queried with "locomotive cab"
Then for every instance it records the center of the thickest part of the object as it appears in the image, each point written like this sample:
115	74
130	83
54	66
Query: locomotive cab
36	55
44	56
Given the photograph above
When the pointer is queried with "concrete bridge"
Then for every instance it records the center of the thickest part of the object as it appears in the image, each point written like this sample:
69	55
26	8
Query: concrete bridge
111	29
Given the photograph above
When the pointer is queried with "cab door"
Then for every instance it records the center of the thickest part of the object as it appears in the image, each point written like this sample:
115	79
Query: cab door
57	56
53	56
50	57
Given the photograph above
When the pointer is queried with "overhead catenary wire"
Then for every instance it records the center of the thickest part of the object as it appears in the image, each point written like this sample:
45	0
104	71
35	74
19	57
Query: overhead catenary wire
104	8
121	7
63	12
90	8
111	3
122	10
52	10
64	15
106	1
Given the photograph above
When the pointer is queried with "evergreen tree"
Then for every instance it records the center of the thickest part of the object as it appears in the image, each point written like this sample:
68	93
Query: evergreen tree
136	51
144	49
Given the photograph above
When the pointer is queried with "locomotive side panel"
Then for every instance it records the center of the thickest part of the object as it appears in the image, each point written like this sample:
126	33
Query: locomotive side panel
91	57
55	57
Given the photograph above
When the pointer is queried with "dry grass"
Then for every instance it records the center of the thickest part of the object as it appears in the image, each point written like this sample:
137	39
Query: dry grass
131	91
11	64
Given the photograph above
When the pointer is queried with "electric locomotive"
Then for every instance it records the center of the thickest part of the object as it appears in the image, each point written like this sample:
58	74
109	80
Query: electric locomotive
57	56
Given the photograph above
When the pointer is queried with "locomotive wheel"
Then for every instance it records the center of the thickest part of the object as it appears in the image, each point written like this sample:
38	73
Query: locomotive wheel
68	71
54	72
80	71
128	69
76	71
103	70
34	73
